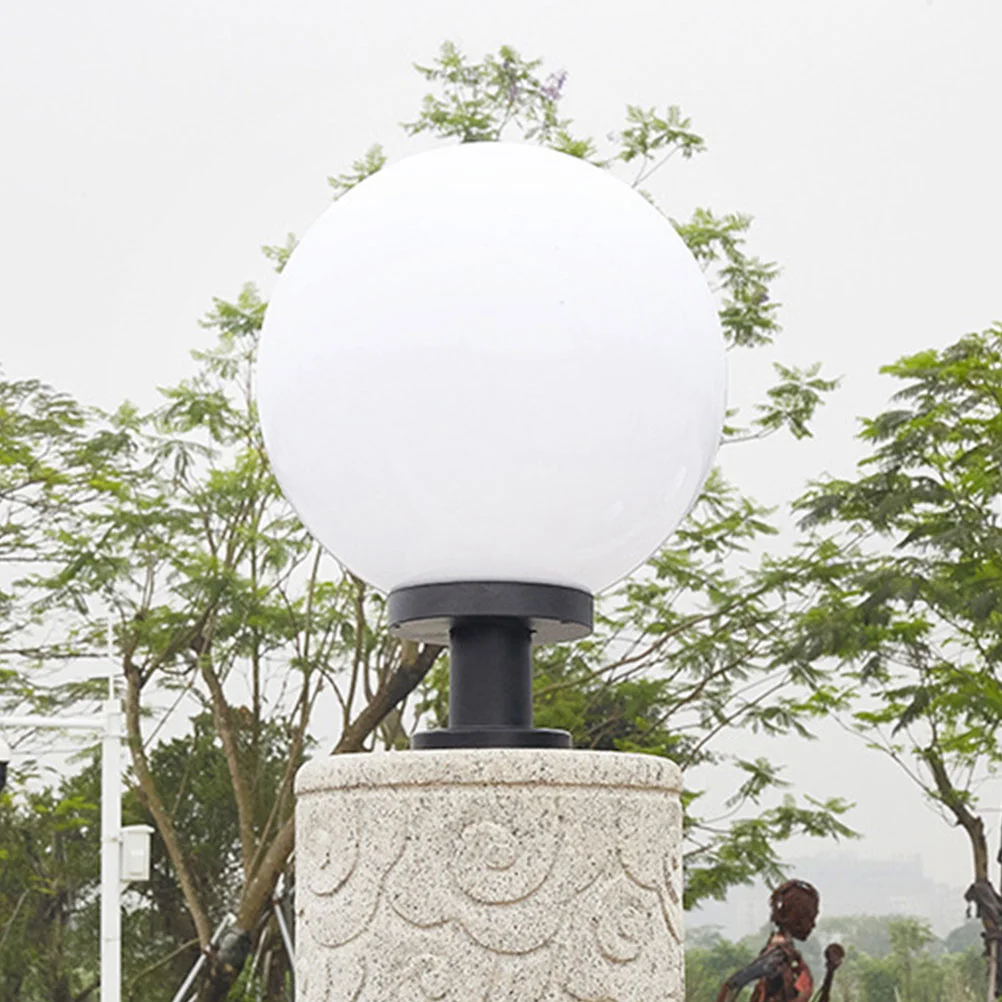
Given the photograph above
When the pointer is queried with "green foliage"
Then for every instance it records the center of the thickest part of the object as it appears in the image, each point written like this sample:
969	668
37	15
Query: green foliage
225	613
50	867
709	962
911	606
793	400
964	937
869	934
55	459
873	970
48	875
749	848
651	138
374	160
908	601
479	101
748	314
279	254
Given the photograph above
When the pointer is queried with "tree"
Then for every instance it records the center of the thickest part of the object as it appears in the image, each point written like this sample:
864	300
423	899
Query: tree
709	962
221	599
46	881
53	461
909	938
910	599
224	608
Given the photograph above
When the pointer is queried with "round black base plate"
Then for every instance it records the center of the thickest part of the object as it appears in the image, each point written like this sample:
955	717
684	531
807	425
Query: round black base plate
491	737
553	613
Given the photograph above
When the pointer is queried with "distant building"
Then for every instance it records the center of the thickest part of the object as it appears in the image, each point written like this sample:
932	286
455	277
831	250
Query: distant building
849	885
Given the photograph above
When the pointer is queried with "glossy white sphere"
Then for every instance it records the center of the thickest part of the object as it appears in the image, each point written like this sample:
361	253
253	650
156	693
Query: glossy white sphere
491	362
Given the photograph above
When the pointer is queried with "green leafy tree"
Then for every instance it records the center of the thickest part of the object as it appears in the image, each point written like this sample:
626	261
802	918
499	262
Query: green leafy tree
225	610
46	882
963	937
193	776
909	938
54	460
909	972
224	606
710	960
50	870
910	600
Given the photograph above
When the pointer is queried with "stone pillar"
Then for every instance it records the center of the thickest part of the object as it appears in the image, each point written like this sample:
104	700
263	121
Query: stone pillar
494	875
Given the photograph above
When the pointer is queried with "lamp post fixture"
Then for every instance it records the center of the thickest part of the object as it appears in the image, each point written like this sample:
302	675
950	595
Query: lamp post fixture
491	382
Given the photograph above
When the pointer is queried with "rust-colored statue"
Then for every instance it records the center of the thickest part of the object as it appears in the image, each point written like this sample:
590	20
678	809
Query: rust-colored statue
779	969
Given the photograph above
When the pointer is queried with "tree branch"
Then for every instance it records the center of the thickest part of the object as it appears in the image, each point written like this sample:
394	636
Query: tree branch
224	724
156	965
150	797
954	803
261	884
414	665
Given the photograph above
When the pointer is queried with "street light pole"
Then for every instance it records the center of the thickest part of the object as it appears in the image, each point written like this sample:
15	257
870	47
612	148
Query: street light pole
111	840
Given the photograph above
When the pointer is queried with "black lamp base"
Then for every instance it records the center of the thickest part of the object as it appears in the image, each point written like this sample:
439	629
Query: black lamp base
490	737
490	628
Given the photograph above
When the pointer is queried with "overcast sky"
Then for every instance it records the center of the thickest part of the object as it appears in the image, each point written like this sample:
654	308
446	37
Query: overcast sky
150	148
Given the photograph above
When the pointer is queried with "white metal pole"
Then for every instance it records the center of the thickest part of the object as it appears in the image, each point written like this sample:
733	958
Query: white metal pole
111	839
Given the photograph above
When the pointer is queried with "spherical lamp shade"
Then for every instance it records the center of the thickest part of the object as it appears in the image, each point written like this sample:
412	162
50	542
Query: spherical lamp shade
491	363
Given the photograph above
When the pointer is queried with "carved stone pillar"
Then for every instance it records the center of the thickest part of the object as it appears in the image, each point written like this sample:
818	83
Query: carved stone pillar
496	875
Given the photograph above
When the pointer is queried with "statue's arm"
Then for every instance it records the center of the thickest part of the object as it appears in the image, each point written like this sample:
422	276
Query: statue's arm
765	965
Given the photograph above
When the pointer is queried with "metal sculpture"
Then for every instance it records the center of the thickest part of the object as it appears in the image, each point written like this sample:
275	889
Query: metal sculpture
780	970
988	903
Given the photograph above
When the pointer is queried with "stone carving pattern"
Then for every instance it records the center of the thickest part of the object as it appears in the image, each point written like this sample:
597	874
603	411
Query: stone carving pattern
498	894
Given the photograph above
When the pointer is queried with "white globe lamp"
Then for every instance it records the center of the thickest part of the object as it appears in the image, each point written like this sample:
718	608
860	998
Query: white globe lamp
491	381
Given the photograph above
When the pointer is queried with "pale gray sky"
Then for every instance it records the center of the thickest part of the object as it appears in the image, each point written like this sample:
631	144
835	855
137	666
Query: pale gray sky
150	148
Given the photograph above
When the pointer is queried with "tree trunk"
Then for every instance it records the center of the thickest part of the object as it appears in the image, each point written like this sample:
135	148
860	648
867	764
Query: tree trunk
981	892
225	964
228	960
993	950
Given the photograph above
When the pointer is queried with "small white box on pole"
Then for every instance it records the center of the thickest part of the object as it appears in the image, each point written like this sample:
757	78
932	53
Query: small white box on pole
136	852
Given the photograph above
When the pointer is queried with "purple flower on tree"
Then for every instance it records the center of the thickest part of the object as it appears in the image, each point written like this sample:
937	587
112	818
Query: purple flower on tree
554	85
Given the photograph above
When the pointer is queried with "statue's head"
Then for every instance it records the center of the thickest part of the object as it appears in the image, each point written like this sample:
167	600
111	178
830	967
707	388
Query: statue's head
795	908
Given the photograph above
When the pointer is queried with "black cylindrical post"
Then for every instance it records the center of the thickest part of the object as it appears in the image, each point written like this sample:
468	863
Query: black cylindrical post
490	627
490	673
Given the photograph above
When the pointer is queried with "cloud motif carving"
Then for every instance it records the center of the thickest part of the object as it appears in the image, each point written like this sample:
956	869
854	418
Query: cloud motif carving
490	893
343	860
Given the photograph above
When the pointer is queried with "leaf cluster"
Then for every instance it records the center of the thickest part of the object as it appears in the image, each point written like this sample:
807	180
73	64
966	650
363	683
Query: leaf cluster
910	589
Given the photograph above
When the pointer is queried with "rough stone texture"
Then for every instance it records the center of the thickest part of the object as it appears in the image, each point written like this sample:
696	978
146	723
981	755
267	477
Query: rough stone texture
502	875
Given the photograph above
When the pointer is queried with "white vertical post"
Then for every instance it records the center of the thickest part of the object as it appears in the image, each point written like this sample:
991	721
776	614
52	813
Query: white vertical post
111	841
